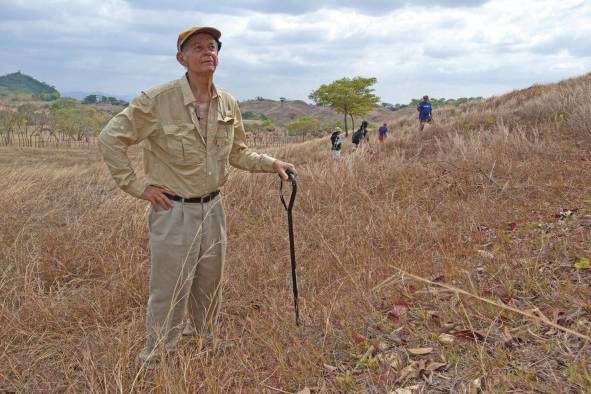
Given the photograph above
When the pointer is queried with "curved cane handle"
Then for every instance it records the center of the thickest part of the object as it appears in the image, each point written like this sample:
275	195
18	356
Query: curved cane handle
294	190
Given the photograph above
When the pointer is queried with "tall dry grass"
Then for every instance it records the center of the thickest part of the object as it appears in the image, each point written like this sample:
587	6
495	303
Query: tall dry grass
478	200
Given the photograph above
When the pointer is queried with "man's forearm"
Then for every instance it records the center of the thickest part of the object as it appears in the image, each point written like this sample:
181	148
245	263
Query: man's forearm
245	159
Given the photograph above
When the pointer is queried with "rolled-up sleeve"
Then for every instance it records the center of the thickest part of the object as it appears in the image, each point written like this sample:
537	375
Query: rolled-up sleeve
129	127
241	156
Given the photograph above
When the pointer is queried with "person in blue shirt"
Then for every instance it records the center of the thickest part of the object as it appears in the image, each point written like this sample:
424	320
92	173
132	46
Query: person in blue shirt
425	115
383	132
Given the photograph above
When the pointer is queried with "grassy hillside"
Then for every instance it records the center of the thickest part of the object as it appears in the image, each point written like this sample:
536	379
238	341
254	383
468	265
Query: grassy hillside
22	86
493	199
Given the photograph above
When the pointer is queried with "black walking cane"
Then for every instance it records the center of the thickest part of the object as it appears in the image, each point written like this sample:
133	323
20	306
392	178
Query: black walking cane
288	208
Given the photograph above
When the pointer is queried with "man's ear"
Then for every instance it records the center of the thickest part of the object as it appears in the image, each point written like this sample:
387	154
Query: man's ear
180	58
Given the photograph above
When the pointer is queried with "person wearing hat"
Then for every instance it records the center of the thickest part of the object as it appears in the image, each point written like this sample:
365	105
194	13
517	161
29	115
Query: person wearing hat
191	133
335	140
425	115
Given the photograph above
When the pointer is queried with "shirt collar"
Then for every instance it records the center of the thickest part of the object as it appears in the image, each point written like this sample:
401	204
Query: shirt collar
188	97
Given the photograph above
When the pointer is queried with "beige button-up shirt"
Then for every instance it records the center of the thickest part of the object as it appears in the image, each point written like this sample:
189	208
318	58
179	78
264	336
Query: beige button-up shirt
177	154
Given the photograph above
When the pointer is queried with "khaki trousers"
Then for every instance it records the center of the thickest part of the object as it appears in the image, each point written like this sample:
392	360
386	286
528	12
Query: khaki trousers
187	253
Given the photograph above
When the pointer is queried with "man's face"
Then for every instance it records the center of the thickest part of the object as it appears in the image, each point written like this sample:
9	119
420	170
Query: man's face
199	54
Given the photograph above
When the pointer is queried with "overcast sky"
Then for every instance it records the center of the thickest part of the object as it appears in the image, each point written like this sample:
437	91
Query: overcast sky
274	48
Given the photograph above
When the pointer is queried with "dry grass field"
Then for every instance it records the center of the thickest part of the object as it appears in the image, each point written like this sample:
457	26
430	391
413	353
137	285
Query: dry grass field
493	199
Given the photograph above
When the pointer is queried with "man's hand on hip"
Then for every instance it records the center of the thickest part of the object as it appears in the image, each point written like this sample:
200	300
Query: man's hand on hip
281	167
156	196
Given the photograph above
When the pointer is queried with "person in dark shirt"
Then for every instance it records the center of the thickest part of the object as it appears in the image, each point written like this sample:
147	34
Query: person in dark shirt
360	135
425	115
364	125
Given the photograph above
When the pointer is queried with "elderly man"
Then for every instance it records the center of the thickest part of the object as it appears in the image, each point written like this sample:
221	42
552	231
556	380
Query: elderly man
191	132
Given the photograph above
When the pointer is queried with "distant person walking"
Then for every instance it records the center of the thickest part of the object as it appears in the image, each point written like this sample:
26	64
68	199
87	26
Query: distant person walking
382	133
425	115
365	131
335	140
360	135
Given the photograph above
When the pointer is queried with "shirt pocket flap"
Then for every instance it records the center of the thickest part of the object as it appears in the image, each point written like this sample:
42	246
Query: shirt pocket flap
179	141
171	141
228	120
178	129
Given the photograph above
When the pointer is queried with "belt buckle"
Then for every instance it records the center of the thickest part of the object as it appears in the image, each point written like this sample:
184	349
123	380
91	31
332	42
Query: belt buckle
209	197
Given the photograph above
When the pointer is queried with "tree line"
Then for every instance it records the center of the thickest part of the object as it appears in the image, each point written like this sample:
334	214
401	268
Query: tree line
64	121
99	99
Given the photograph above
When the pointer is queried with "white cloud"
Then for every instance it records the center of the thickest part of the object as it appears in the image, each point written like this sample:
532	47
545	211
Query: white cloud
274	49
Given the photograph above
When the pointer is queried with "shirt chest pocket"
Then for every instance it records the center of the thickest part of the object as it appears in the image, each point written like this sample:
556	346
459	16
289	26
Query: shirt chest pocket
180	145
224	136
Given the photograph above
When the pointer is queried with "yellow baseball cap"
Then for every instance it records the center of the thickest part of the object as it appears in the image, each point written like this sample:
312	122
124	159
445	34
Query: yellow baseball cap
184	35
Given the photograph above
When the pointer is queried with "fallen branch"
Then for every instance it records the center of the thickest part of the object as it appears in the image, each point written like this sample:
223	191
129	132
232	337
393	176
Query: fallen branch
529	315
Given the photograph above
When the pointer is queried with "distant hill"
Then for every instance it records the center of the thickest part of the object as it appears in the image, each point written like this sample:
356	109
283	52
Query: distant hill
21	85
284	112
